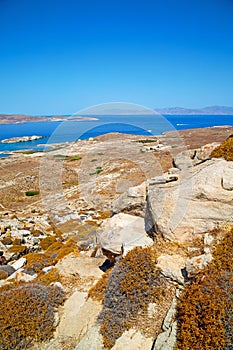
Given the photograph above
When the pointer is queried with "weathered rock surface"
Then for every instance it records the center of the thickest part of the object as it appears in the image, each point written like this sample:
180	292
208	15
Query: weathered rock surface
197	263
133	339
19	263
80	266
167	339
197	202
171	266
123	232
93	340
133	201
78	316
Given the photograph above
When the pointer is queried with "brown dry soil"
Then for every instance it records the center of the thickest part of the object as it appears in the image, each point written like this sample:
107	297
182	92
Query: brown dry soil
195	138
115	154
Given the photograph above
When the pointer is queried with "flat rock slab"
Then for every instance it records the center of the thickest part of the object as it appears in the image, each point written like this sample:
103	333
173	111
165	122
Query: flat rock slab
123	232
133	340
198	202
78	316
82	266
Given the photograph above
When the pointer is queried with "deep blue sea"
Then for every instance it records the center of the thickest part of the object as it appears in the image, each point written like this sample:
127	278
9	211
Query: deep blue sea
58	132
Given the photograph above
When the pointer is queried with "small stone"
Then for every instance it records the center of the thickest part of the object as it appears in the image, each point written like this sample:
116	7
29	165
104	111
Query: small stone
56	319
19	263
208	239
47	269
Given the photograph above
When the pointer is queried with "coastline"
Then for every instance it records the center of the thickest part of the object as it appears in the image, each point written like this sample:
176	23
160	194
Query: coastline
19	119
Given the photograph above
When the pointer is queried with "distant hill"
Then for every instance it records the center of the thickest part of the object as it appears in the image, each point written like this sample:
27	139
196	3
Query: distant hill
211	110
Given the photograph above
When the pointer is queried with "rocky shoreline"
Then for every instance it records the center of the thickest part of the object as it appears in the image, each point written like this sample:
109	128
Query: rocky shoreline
158	211
22	139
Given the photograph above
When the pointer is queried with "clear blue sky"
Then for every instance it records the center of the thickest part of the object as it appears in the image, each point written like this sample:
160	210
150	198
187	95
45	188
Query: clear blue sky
57	57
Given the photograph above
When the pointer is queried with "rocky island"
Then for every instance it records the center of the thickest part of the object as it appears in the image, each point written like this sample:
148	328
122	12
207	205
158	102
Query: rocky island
119	242
22	118
22	139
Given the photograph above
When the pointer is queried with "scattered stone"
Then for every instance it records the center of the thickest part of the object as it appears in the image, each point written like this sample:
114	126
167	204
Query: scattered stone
20	275
183	160
19	263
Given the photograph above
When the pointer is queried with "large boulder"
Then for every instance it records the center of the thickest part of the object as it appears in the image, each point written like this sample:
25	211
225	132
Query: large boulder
122	233
133	201
200	200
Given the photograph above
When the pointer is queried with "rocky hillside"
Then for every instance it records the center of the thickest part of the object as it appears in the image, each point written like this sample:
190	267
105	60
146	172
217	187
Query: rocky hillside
119	243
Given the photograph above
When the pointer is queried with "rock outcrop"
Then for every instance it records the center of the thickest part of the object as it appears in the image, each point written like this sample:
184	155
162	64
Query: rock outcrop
200	200
133	201
122	233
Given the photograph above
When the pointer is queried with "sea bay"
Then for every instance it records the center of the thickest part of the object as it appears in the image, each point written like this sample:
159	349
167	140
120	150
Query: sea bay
69	131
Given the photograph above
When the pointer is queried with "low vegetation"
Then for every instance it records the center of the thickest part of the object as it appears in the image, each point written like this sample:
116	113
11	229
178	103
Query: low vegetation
133	284
225	150
205	310
27	314
32	193
98	171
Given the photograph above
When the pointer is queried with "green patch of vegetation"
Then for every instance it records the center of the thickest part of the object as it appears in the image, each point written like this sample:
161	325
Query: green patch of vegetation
74	158
27	314
28	152
98	171
94	160
32	193
61	156
205	309
146	141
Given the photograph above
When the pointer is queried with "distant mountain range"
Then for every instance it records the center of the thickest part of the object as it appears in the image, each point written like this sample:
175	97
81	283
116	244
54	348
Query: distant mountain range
211	110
